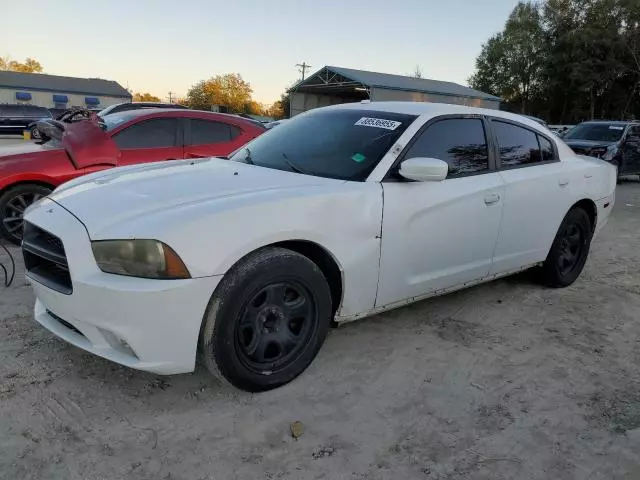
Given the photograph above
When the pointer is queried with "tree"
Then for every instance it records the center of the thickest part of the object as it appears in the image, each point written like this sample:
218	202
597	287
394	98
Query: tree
254	108
566	60
29	66
145	97
229	90
510	63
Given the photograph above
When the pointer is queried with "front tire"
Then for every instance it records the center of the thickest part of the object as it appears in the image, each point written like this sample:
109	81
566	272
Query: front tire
13	203
267	320
569	250
35	133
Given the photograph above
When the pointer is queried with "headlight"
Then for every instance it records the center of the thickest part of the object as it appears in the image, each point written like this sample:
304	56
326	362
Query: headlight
139	258
609	153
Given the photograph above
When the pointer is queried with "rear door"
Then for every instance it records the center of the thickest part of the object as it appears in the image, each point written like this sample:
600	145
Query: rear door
151	140
537	197
209	138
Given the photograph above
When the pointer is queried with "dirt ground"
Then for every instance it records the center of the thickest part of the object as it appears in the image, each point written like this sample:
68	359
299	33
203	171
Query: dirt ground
508	380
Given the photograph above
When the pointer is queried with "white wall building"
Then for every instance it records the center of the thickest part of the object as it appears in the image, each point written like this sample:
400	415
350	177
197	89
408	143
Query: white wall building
53	91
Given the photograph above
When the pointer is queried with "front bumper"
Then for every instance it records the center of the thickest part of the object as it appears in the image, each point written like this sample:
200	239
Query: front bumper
150	325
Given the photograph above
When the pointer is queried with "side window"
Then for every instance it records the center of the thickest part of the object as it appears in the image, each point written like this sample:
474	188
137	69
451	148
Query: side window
461	142
548	154
155	133
518	146
235	132
205	131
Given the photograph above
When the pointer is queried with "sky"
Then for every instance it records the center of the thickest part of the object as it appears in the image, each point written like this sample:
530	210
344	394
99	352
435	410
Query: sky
162	46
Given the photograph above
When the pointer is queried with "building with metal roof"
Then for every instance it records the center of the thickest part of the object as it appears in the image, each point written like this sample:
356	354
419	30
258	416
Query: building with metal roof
331	85
53	91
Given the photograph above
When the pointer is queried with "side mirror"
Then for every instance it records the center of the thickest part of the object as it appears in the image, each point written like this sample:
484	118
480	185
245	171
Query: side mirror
422	169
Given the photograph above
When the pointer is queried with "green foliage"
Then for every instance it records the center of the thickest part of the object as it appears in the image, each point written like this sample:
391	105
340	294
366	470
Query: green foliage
566	60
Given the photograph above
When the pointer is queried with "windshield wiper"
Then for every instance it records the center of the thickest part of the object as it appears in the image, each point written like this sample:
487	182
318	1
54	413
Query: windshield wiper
294	167
247	158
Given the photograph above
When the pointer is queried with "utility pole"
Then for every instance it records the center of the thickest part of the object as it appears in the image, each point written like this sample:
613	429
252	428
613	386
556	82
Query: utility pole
302	68
170	97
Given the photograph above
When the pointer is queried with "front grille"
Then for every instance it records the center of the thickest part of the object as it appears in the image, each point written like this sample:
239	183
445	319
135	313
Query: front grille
45	259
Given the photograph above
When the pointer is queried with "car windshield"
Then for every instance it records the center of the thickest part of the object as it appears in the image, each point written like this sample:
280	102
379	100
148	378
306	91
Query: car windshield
597	132
113	120
343	144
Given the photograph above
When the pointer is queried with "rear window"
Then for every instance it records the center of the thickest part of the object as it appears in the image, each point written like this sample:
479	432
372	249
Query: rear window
344	144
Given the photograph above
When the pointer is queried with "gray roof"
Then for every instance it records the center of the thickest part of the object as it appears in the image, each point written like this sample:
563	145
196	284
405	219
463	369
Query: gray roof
401	82
57	84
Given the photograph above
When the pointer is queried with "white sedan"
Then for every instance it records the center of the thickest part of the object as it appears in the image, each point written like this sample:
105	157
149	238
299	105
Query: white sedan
340	213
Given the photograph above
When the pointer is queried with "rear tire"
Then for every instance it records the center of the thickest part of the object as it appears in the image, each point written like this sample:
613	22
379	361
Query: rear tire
13	203
569	250
267	320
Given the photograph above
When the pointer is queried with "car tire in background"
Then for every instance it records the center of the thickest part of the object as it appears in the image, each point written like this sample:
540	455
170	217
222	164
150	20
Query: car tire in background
13	203
35	133
569	250
267	320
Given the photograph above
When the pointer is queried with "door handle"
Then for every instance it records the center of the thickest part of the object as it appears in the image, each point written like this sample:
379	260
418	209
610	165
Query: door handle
563	182
491	199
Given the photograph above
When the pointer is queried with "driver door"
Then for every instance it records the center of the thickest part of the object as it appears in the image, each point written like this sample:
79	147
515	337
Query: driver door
150	140
631	152
436	235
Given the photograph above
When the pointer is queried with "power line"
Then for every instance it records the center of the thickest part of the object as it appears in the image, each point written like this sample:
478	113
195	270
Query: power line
302	68
170	97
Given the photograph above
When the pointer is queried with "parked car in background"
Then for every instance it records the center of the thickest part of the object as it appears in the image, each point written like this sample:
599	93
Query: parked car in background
536	119
340	213
69	115
560	130
31	171
123	107
16	118
275	123
616	142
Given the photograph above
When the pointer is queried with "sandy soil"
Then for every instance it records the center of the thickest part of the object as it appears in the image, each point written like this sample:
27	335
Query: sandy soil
508	380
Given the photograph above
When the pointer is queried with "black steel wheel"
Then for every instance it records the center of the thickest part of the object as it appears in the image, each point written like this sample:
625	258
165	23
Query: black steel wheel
13	203
267	320
275	324
569	251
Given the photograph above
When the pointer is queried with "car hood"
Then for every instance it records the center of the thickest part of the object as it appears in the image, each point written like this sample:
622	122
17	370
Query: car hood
587	143
121	196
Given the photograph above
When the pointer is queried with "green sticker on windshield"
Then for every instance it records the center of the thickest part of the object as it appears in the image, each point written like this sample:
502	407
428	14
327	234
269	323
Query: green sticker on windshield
358	158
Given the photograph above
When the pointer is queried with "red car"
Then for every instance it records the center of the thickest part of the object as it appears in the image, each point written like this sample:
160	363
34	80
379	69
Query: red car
30	171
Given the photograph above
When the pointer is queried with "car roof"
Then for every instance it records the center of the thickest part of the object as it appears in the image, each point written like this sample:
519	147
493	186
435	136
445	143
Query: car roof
129	115
433	110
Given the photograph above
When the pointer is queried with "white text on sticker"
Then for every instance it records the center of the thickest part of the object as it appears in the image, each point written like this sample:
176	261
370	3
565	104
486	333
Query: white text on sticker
613	127
378	123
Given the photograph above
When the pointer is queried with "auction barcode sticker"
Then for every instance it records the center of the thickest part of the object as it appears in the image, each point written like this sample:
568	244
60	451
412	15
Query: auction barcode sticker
378	122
